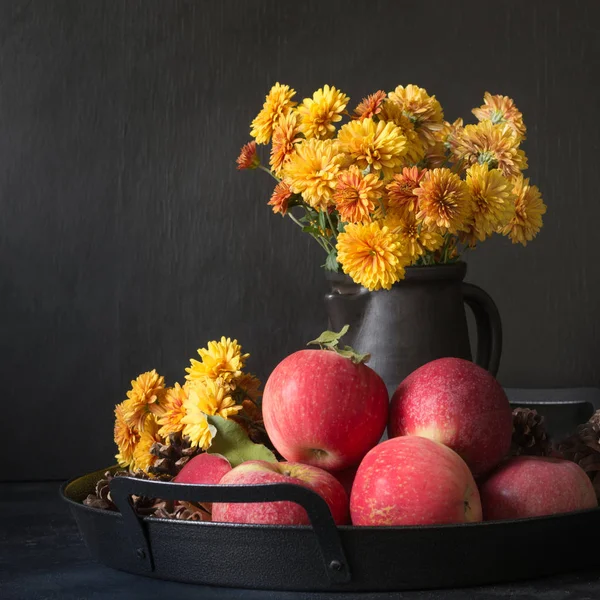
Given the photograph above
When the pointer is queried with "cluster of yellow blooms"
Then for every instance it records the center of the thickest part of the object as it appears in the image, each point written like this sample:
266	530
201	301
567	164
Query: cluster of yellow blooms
396	185
215	385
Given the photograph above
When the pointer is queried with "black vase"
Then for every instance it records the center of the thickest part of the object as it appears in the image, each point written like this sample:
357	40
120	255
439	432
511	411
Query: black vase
420	319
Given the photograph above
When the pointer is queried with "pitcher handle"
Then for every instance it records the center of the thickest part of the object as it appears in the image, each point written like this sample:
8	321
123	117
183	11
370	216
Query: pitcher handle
489	327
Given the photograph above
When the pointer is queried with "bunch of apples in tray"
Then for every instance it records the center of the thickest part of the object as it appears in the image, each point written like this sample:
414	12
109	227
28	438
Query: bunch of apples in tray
449	457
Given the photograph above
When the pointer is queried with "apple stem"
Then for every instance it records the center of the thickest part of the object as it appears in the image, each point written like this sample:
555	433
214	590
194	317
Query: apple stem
330	340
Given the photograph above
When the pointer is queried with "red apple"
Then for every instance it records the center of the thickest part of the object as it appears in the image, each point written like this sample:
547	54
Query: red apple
456	403
256	472
532	486
322	409
413	481
204	468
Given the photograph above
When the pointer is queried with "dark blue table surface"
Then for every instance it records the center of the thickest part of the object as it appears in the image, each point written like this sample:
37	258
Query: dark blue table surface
43	557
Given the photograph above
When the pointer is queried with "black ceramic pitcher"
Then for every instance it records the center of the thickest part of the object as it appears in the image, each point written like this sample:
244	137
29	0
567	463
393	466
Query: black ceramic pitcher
420	319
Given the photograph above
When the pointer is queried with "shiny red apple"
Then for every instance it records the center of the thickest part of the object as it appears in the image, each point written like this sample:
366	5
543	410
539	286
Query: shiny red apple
532	486
204	468
256	472
413	481
460	405
322	409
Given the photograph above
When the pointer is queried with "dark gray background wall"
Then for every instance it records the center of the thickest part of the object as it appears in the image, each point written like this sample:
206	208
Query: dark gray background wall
127	238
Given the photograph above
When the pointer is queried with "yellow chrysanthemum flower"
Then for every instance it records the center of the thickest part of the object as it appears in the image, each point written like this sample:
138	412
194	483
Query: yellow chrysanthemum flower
529	208
493	200
444	201
145	397
312	171
170	422
319	113
196	425
142	458
390	111
380	146
278	103
213	398
416	239
372	255
219	360
424	111
497	146
356	195
126	437
501	109
285	137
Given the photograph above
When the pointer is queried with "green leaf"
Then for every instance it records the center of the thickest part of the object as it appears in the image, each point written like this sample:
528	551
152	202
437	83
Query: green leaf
329	340
311	229
331	263
353	355
234	444
322	221
331	337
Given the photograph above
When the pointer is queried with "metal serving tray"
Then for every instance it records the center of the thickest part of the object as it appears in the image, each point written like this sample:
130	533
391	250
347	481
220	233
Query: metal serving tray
321	557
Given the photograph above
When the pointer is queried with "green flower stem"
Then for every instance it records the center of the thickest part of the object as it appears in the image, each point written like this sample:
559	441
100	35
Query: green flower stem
333	229
269	172
322	240
319	240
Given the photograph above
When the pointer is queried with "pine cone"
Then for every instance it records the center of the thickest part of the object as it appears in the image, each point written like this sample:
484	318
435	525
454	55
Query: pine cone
101	498
183	511
583	448
173	456
529	434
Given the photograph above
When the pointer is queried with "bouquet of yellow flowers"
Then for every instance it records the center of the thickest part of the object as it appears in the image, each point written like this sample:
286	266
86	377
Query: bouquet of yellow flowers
396	185
217	408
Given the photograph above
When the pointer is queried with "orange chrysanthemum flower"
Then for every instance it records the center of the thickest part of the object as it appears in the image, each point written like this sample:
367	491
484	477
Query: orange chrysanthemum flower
493	201
248	386
436	156
280	198
285	137
370	106
248	159
380	146
423	110
401	191
372	255
312	171
356	195
145	397
497	146
319	113
529	208
143	459
416	239
170	422
278	103
415	151
501	109
444	201
126	437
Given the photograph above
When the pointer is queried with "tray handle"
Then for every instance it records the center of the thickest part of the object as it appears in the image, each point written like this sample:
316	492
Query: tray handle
328	538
